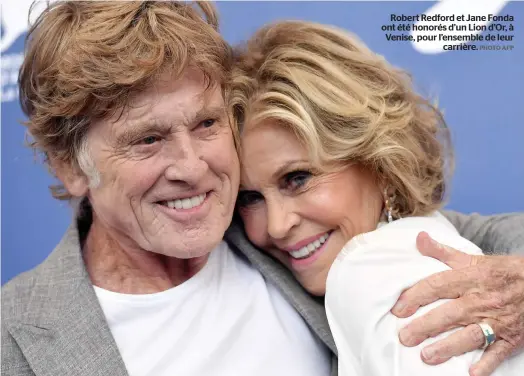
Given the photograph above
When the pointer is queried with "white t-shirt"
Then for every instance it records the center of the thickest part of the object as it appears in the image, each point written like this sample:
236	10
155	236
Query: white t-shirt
225	320
365	282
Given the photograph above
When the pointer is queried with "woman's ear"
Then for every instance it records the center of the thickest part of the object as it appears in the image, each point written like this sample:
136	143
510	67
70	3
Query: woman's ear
73	179
387	189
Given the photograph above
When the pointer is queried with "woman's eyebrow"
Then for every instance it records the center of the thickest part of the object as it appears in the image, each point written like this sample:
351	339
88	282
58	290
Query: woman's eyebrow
287	166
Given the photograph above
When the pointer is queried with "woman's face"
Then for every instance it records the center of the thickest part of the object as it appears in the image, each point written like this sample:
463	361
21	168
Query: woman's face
301	216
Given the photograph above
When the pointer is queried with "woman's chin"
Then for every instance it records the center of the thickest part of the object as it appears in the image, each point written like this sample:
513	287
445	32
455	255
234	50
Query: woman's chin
316	287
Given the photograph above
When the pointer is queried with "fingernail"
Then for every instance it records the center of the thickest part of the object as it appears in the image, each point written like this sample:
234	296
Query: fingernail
428	353
434	242
405	338
399	307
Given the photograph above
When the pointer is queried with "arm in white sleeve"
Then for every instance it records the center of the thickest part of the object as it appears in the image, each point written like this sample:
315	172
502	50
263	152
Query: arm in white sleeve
363	285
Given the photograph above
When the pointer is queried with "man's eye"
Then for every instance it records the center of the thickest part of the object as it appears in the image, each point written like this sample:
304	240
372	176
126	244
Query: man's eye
208	123
149	140
296	179
248	198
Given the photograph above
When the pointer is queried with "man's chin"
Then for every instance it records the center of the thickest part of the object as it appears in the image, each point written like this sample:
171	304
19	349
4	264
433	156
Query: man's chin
189	249
190	254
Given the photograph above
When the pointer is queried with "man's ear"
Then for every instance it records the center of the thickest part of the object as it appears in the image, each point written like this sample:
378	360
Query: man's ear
73	179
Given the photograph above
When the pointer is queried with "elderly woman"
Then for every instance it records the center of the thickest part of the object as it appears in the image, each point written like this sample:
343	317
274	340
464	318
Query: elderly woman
343	165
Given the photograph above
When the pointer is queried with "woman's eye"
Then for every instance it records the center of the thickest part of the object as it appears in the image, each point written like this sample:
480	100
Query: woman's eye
248	198
296	179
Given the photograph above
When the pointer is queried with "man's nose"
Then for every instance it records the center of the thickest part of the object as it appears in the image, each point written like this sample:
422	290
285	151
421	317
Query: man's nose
281	218
187	164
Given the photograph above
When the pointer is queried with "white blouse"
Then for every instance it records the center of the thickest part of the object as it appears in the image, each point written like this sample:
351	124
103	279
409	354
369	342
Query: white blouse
365	282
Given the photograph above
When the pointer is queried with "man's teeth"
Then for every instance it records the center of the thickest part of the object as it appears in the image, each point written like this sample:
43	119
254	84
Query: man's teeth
186	203
310	248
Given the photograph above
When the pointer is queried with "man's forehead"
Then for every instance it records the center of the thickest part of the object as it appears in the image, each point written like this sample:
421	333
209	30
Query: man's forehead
170	107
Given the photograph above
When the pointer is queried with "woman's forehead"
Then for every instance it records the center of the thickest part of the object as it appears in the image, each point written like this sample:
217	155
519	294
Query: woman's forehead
267	152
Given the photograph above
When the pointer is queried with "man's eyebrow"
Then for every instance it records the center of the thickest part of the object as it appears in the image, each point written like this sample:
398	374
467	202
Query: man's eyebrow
209	112
286	167
134	130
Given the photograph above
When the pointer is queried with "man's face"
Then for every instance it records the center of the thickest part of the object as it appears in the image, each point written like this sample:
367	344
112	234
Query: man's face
169	169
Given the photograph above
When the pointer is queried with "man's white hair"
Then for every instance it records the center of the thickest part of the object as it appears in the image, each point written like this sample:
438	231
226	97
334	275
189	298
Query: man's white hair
87	165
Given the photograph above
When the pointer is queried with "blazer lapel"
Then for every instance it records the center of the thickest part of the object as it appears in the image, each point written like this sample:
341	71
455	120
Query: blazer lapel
63	331
310	308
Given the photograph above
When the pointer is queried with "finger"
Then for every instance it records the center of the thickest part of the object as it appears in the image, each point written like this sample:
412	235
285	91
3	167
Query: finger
440	319
449	284
460	342
493	356
448	255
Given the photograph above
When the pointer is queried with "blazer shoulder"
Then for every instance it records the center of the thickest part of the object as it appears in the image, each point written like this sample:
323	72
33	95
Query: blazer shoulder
17	292
60	268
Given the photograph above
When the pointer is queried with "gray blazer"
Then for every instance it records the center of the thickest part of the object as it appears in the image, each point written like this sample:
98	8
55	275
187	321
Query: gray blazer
53	325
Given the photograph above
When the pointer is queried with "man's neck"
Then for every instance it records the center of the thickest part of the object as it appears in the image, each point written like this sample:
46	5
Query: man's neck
115	267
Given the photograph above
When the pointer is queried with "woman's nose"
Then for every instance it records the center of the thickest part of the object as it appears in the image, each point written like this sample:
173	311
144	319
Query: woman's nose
281	219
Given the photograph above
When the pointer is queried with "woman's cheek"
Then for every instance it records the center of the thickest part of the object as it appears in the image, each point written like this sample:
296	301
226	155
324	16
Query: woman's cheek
255	226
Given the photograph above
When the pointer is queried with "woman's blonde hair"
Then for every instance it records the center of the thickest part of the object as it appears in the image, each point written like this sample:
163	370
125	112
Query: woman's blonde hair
347	105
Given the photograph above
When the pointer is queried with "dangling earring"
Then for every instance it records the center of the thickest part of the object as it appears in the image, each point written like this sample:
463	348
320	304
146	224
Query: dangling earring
388	205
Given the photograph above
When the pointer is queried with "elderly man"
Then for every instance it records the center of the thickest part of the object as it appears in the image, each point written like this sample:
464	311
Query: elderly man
125	99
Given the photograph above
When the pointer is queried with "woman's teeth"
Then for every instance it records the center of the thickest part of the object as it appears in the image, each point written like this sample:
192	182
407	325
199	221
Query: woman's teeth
307	250
186	203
